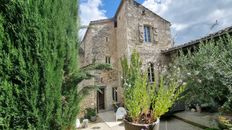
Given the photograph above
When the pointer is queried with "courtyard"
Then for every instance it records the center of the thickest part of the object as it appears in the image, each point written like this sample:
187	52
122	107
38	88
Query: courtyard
162	63
179	121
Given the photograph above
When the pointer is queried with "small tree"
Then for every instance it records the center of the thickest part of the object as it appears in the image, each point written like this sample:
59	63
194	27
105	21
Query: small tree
208	73
146	103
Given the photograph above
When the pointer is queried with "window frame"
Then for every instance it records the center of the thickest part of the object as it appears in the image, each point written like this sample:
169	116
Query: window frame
147	34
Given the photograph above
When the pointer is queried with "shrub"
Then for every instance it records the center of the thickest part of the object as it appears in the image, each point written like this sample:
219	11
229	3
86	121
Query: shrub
90	112
208	73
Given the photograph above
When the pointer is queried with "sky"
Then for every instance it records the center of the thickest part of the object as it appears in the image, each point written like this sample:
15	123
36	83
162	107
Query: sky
190	19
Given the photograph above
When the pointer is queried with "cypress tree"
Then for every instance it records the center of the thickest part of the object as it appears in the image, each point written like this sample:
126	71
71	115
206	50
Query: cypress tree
38	64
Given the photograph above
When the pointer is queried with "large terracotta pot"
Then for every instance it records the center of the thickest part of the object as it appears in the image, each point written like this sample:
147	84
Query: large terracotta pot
224	122
134	126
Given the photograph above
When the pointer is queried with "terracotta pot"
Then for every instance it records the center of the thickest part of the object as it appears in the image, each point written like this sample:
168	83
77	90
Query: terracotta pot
134	126
224	122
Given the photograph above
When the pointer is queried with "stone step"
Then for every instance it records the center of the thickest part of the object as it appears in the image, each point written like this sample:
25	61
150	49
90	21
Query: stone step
202	120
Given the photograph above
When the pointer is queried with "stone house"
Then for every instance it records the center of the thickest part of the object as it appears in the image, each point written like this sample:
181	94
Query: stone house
108	40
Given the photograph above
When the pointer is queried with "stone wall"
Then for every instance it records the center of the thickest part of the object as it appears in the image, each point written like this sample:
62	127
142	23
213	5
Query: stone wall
100	41
138	16
122	46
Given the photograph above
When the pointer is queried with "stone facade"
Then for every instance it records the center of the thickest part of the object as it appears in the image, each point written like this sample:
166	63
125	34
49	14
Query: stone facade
118	37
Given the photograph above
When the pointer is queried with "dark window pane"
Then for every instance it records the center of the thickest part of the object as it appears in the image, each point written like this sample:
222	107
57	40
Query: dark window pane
114	94
145	33
151	72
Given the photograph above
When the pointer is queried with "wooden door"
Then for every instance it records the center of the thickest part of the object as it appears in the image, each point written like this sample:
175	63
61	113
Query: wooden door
101	99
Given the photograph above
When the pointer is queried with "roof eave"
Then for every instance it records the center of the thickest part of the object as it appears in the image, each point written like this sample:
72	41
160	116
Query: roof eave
191	43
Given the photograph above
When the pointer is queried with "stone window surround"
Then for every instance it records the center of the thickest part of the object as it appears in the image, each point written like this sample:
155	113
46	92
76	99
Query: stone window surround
153	33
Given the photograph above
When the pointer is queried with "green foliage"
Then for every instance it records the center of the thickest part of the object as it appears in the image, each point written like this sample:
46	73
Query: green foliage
208	72
90	112
137	101
139	95
211	129
225	122
165	97
135	94
97	67
38	64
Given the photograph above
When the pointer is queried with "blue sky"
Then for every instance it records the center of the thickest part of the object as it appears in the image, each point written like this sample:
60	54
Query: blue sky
111	6
191	19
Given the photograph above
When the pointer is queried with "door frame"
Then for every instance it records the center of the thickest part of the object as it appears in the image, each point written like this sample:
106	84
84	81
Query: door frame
103	88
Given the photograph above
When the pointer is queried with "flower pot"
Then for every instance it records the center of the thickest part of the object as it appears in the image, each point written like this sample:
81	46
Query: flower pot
93	118
224	122
134	126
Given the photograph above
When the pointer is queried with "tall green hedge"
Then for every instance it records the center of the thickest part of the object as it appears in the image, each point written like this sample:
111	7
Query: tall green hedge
38	55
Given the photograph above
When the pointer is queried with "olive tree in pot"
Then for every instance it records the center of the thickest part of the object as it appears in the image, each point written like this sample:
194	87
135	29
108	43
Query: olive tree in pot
146	103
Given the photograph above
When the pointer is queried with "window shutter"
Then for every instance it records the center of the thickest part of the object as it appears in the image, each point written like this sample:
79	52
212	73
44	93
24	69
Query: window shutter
141	33
155	35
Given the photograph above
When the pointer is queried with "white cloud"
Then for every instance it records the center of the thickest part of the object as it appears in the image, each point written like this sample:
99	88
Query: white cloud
179	27
158	6
89	11
192	19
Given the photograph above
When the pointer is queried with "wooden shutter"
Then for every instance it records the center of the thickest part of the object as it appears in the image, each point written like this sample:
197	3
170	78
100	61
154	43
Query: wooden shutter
141	33
155	35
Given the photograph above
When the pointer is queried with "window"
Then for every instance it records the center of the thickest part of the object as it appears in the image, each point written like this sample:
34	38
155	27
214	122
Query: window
147	34
115	94
101	80
108	59
107	39
143	12
115	24
151	73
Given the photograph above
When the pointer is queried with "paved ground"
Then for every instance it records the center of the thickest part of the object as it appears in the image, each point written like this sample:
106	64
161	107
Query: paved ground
167	124
171	124
202	119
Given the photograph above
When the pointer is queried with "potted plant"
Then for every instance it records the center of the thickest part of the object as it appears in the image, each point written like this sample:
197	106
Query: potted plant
145	103
225	122
91	114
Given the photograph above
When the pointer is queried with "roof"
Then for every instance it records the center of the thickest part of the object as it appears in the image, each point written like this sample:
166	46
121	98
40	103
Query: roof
138	4
152	12
195	42
112	19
